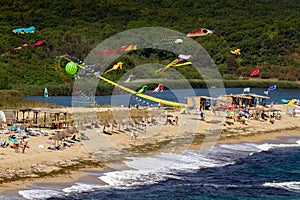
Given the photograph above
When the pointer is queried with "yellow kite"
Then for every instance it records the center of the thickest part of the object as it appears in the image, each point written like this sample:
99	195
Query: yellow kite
115	67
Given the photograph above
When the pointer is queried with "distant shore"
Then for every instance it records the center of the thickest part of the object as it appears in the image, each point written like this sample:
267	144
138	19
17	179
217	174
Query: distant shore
63	90
43	165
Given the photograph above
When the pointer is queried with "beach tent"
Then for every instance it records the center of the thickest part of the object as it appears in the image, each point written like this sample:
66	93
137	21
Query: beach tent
2	116
293	110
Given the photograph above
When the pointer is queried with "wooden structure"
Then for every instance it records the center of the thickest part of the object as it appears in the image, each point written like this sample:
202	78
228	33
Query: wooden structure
11	116
201	102
243	100
257	99
39	117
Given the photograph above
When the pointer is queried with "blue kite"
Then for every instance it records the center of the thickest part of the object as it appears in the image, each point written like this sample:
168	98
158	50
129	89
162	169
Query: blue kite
272	87
28	30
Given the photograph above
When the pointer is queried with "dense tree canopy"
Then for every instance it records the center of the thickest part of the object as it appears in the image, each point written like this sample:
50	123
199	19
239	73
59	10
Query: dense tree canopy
266	31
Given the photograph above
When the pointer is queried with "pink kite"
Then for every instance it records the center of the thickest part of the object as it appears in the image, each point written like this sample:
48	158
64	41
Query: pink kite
160	87
39	43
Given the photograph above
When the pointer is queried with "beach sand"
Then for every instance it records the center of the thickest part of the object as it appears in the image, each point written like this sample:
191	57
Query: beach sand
42	165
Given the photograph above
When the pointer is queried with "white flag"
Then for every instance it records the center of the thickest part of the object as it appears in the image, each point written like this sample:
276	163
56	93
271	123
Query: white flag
247	89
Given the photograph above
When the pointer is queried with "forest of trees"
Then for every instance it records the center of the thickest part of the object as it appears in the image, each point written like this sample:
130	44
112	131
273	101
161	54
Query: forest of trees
266	31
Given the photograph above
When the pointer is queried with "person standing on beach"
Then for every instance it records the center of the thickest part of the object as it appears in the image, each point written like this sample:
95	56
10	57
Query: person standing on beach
24	143
132	135
176	120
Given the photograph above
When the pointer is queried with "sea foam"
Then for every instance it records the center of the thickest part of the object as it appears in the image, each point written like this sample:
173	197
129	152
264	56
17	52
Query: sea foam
40	194
151	170
291	186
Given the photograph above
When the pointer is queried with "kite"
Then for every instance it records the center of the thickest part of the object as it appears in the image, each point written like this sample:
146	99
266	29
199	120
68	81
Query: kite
71	68
199	32
291	102
162	101
288	100
168	41
123	48
143	89
160	87
115	67
37	44
254	72
130	78
29	30
180	58
272	87
178	41
236	52
46	92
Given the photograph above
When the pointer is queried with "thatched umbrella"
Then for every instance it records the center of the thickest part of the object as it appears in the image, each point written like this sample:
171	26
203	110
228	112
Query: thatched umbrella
61	135
68	133
104	123
56	138
72	130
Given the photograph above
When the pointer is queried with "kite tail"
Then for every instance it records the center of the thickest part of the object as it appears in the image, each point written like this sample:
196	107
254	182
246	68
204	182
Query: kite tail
60	71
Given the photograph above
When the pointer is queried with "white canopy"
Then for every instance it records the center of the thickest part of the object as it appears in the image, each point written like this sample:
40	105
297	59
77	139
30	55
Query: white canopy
2	116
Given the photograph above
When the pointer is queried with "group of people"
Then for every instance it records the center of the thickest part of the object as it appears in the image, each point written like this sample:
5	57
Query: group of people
19	144
172	121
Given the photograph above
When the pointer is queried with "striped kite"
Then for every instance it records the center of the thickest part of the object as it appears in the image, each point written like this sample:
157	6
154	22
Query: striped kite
123	48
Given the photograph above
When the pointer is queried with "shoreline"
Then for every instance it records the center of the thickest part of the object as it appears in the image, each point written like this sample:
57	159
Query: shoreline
254	132
75	175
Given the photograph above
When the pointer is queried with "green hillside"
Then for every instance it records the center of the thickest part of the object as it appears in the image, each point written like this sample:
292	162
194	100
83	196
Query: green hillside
266	31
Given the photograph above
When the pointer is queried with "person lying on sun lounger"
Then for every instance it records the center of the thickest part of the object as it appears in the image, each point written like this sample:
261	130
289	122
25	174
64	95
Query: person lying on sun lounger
106	132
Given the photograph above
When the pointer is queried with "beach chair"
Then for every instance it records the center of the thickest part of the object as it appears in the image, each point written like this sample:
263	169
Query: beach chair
13	128
84	137
74	139
4	143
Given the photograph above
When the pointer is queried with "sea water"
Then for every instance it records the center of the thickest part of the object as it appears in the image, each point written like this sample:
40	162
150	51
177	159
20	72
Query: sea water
117	100
268	170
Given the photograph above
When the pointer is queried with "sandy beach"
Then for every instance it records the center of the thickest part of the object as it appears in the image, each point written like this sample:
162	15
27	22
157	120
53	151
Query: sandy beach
39	164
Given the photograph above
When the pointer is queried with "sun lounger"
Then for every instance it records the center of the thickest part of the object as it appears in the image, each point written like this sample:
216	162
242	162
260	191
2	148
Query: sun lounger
84	137
4	143
74	139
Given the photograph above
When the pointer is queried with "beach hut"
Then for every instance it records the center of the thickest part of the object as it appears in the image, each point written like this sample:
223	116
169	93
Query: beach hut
10	116
257	99
201	102
235	100
244	100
